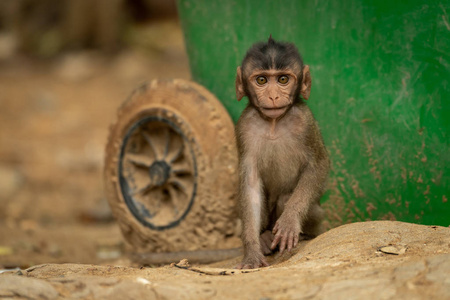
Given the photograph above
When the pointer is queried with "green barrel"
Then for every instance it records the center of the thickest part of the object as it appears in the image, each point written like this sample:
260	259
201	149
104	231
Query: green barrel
380	92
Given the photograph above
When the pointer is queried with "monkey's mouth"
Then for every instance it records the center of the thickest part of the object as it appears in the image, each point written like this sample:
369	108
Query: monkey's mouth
273	112
273	108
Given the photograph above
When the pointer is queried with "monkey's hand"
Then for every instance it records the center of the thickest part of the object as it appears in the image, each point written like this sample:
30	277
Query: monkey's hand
286	231
253	261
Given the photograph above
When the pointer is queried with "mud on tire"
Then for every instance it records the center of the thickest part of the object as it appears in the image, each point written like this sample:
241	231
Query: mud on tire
170	168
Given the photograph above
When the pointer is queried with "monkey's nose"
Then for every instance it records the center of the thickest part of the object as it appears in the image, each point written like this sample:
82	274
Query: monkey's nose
274	98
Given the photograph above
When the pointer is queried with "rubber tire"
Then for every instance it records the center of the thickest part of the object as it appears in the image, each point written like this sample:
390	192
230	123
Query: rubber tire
209	132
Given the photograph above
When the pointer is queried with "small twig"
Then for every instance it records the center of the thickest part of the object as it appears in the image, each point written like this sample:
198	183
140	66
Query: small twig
184	264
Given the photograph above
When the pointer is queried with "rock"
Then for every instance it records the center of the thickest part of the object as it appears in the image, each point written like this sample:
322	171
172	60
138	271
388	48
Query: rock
396	250
101	213
28	225
10	181
8	46
45	101
108	249
409	271
54	250
5	250
358	289
76	67
126	290
439	267
130	65
27	288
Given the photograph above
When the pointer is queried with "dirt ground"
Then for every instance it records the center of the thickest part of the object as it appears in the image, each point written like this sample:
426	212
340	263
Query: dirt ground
57	236
371	260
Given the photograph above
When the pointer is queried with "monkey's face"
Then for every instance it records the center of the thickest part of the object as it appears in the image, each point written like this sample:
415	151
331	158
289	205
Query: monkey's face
272	91
273	77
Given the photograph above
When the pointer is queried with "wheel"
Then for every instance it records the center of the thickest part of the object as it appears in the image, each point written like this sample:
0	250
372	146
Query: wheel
170	168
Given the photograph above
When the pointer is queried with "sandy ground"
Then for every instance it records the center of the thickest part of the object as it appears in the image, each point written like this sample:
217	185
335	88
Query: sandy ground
372	260
58	239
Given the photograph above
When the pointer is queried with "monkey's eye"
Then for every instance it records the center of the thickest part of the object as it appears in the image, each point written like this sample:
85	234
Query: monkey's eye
261	80
283	79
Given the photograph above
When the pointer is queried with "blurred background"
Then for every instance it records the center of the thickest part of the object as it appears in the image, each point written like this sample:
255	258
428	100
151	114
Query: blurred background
381	90
65	67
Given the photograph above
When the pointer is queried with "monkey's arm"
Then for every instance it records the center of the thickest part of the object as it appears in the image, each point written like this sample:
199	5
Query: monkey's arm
251	201
300	205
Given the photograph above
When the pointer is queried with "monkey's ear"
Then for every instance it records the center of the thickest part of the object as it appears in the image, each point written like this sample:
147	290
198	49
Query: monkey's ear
306	83
239	85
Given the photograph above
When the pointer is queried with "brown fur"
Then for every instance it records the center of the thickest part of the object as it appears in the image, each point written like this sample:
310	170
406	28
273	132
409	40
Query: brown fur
283	162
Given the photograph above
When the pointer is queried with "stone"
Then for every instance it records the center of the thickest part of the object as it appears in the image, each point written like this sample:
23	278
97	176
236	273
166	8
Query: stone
28	288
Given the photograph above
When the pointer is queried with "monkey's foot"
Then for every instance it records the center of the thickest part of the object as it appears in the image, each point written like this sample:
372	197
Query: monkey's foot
265	239
252	262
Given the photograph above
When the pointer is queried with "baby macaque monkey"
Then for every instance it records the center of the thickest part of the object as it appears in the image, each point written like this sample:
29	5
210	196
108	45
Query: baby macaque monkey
283	163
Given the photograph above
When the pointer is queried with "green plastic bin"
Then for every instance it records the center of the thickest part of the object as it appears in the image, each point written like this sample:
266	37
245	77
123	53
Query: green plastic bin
381	92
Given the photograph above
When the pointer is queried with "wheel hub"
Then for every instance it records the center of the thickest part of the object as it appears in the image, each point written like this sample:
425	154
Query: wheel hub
159	172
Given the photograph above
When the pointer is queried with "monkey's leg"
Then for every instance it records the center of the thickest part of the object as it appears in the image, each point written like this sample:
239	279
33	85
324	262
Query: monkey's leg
313	225
267	222
253	214
251	221
265	240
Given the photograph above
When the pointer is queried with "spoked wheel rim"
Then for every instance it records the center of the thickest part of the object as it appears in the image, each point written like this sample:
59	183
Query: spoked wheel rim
157	172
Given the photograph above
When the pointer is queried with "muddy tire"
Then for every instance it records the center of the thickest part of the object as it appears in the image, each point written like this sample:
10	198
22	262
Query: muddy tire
170	168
